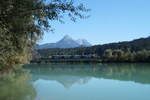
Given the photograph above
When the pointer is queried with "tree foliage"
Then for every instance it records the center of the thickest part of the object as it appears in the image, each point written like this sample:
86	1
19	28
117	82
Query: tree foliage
136	50
23	22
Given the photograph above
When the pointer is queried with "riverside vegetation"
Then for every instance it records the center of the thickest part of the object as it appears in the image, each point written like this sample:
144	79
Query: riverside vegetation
132	51
23	22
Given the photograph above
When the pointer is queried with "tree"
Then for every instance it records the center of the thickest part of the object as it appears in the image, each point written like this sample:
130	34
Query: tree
23	22
108	53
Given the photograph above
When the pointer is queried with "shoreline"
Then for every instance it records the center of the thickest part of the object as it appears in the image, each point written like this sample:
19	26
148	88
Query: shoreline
68	61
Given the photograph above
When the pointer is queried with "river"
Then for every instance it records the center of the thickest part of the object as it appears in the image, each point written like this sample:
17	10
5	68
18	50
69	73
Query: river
81	82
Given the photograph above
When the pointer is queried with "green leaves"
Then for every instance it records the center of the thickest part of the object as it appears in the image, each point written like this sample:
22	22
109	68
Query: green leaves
22	23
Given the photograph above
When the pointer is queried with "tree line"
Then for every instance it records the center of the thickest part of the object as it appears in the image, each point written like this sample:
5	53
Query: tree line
23	22
129	51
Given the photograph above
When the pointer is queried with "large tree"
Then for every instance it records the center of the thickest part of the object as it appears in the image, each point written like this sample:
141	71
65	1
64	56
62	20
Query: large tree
23	22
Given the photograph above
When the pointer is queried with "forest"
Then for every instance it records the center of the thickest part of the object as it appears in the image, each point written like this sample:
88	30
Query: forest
137	50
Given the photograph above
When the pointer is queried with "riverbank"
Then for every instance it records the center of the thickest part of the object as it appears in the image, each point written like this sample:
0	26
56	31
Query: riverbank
81	60
46	61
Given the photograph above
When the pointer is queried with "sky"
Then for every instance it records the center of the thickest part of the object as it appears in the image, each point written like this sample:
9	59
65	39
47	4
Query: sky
109	21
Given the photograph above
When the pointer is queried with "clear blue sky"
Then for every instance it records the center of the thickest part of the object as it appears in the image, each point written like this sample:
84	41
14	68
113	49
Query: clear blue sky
110	21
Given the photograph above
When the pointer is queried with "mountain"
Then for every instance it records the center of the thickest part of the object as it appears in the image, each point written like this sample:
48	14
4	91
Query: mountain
83	42
66	42
134	45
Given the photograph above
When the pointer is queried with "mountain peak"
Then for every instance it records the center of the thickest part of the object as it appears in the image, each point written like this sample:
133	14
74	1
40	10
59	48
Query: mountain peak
66	42
83	42
66	37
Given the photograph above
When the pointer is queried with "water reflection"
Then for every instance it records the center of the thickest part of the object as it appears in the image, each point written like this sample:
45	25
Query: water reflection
16	86
91	82
71	74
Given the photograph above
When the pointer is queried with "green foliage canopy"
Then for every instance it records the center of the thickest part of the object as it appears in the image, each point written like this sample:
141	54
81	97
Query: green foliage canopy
23	22
132	51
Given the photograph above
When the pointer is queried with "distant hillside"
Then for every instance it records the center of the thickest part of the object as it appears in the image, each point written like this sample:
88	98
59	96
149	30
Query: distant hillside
66	42
135	45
